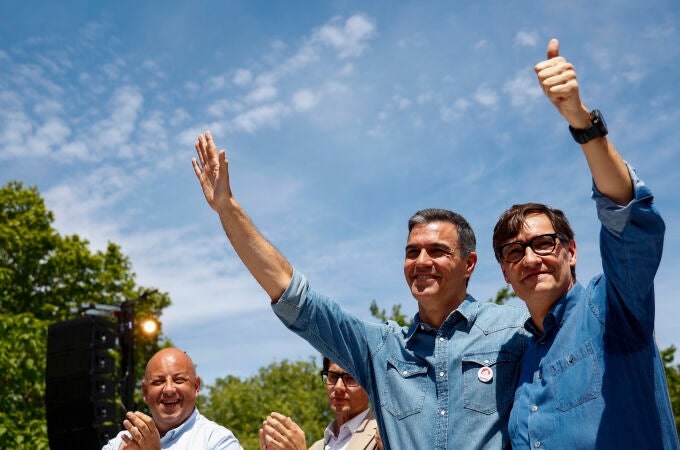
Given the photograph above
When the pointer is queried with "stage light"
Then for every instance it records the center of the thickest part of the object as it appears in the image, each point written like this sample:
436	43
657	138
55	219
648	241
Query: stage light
150	326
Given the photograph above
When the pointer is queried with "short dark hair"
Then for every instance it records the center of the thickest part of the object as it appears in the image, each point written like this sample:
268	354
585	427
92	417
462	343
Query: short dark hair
511	222
466	237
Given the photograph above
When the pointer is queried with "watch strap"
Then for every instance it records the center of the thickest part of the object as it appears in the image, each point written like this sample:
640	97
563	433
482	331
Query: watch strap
597	129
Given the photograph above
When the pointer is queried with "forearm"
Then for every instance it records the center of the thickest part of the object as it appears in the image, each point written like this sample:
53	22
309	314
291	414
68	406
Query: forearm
607	168
263	260
609	171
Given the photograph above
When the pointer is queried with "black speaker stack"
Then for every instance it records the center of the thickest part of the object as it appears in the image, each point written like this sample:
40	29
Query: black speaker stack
81	398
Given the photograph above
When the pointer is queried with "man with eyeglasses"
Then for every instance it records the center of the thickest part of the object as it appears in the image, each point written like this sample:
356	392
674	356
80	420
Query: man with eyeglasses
354	427
592	377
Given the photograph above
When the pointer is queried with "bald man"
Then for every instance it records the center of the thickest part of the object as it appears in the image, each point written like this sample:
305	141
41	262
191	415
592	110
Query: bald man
170	388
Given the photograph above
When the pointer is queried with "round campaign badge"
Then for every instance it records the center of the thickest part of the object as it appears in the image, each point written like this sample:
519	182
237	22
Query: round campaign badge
485	374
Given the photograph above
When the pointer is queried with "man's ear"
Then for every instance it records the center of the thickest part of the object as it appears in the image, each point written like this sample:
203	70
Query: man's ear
198	384
571	248
470	263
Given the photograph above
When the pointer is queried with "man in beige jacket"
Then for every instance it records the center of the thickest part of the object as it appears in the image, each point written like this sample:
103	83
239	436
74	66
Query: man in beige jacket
354	427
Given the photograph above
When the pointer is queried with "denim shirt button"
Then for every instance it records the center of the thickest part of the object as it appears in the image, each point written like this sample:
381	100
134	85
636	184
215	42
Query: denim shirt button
441	339
441	374
537	444
534	408
539	376
405	372
442	412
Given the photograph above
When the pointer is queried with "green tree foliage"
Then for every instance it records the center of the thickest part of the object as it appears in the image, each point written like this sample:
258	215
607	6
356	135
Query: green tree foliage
22	355
290	388
43	276
673	379
503	295
396	315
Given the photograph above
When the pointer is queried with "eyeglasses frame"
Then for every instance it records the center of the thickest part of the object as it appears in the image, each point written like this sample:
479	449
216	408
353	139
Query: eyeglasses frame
340	375
499	250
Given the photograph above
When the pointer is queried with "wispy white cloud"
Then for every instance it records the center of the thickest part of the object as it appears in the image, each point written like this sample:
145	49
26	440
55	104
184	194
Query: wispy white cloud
527	38
31	76
401	103
304	100
349	39
113	133
261	94
49	135
48	107
523	89
480	44
485	96
216	83
242	77
455	111
266	115
191	86
222	107
83	205
15	125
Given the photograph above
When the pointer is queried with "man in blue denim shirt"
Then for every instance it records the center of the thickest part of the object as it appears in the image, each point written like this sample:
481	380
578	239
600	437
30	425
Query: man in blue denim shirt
445	382
592	377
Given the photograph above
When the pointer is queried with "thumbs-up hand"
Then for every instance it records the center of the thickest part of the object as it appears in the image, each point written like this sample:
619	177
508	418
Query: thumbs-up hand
557	78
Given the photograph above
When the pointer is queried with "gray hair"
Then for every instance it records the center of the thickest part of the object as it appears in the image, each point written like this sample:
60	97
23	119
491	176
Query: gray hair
466	237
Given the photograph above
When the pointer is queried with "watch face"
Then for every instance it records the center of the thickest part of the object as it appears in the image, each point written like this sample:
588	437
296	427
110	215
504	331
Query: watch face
597	129
597	118
599	123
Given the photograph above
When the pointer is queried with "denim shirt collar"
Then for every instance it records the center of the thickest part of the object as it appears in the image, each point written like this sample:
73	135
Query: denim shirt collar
467	310
556	316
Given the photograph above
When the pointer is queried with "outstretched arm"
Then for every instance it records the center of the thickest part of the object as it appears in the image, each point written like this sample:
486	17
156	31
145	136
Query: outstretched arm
262	259
558	80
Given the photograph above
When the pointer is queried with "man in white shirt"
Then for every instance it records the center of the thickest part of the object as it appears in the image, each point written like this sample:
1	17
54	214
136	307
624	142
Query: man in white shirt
354	427
170	388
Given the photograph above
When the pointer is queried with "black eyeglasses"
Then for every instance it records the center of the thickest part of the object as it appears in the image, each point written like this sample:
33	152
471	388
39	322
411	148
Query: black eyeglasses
331	378
542	245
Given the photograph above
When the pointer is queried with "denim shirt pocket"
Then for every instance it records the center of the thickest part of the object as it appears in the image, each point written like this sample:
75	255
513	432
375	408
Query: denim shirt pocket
405	384
493	395
576	377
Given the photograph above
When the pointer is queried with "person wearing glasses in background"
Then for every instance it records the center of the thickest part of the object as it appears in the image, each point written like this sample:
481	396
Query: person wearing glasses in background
354	427
592	377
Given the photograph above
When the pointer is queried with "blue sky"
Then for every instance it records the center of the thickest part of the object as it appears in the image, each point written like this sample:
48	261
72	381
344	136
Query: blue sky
340	120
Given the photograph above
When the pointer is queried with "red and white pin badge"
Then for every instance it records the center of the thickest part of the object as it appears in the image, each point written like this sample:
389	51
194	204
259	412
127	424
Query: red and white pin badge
485	374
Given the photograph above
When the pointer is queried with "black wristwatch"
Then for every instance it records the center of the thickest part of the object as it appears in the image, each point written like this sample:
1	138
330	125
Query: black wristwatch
597	129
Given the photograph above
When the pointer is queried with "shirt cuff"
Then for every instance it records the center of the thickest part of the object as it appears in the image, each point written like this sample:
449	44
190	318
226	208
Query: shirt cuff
614	217
289	306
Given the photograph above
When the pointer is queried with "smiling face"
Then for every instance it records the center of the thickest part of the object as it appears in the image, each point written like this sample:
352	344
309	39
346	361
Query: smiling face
170	387
540	280
435	272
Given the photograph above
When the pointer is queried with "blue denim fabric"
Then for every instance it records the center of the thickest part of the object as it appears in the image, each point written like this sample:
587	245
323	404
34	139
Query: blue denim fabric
423	382
594	378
